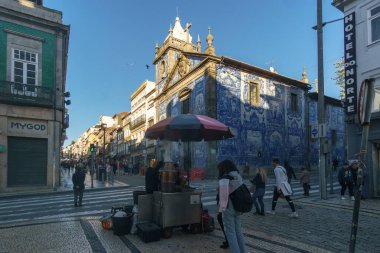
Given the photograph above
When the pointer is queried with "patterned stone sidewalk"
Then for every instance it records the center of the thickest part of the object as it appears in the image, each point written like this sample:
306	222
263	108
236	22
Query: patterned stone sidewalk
86	235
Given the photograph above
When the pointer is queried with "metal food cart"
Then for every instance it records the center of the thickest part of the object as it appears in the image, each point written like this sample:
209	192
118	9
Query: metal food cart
177	209
170	210
183	208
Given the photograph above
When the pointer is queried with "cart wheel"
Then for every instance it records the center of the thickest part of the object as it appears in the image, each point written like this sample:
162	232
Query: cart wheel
167	232
195	228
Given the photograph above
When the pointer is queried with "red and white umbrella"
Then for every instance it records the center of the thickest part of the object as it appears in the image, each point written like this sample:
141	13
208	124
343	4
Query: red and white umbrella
189	127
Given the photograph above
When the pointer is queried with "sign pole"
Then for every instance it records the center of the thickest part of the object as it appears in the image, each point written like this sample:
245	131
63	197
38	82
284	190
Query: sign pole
367	98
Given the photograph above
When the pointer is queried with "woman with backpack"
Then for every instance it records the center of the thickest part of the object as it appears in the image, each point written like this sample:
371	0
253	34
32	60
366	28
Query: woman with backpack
230	180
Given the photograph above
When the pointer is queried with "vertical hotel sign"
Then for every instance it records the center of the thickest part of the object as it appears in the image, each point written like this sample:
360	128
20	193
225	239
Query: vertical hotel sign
350	63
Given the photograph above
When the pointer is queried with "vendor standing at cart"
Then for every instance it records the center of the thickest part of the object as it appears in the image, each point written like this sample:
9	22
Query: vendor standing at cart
152	177
177	174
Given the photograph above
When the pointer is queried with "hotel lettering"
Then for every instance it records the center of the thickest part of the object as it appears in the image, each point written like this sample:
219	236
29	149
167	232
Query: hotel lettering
350	64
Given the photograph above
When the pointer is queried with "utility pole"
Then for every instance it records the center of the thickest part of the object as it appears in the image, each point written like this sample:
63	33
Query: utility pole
321	104
104	146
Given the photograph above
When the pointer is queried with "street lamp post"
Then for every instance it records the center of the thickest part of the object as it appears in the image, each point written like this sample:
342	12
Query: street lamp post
321	104
323	145
104	127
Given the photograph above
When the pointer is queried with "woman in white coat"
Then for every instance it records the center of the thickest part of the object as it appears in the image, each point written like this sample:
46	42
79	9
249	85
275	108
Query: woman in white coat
282	187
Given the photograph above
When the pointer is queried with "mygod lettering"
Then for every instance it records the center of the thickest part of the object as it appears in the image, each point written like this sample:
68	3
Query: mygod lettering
29	126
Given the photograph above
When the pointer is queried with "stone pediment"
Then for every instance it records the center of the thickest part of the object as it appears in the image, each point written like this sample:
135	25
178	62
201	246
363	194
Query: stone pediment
181	68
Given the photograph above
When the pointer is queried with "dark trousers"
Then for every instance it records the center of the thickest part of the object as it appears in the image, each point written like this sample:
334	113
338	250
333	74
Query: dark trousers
276	195
306	188
78	193
259	196
350	189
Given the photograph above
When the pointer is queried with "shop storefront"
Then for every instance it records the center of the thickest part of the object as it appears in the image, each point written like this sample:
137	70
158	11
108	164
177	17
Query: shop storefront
27	160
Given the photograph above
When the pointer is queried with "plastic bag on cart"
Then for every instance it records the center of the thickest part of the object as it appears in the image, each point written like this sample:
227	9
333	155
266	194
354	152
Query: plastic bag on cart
106	221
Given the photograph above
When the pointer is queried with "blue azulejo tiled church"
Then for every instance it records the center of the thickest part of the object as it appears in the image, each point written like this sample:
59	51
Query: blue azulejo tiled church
267	112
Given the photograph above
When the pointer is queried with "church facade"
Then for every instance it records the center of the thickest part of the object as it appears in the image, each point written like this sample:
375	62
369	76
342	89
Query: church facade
266	111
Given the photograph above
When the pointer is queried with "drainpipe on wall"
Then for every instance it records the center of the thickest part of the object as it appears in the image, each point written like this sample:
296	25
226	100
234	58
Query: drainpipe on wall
55	114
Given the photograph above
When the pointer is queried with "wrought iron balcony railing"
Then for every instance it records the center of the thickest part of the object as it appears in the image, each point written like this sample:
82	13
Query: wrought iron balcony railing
25	94
138	121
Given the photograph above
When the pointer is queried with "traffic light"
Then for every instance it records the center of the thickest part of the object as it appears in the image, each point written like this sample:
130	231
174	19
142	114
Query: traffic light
92	148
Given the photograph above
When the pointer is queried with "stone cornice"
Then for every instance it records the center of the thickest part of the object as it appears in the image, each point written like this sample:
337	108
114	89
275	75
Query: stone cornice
30	19
263	73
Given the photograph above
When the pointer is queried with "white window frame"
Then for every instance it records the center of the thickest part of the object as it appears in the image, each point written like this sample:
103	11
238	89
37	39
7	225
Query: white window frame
369	24
24	91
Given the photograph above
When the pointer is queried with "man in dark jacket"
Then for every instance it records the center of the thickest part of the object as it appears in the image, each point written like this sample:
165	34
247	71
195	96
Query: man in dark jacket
289	172
78	184
152	177
346	179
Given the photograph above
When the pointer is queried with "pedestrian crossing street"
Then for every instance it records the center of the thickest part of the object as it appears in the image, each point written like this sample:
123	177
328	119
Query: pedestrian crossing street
95	203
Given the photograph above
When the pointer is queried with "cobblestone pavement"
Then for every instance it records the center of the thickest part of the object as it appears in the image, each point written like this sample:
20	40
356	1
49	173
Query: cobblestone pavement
86	235
323	226
323	223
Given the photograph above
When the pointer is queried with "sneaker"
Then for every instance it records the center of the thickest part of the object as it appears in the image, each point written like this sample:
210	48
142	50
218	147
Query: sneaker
271	212
342	197
352	198
293	215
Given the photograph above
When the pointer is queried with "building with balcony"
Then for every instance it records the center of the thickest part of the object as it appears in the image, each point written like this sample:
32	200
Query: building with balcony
362	54
33	59
141	100
117	142
126	136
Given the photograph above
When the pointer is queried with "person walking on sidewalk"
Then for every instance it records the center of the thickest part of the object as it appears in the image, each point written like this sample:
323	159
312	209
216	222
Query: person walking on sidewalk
78	184
282	188
346	179
305	181
109	172
258	195
289	172
230	217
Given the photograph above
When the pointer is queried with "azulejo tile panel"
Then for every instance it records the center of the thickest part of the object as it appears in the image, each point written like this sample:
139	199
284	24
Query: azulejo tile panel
264	131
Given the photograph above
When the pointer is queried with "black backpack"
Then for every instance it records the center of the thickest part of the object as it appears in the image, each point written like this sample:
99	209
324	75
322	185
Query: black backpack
241	198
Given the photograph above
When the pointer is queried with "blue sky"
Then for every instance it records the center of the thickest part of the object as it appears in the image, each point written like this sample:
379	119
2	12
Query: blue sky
111	41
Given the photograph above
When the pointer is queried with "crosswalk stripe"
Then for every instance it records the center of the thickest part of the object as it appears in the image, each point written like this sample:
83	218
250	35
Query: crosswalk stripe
96	203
